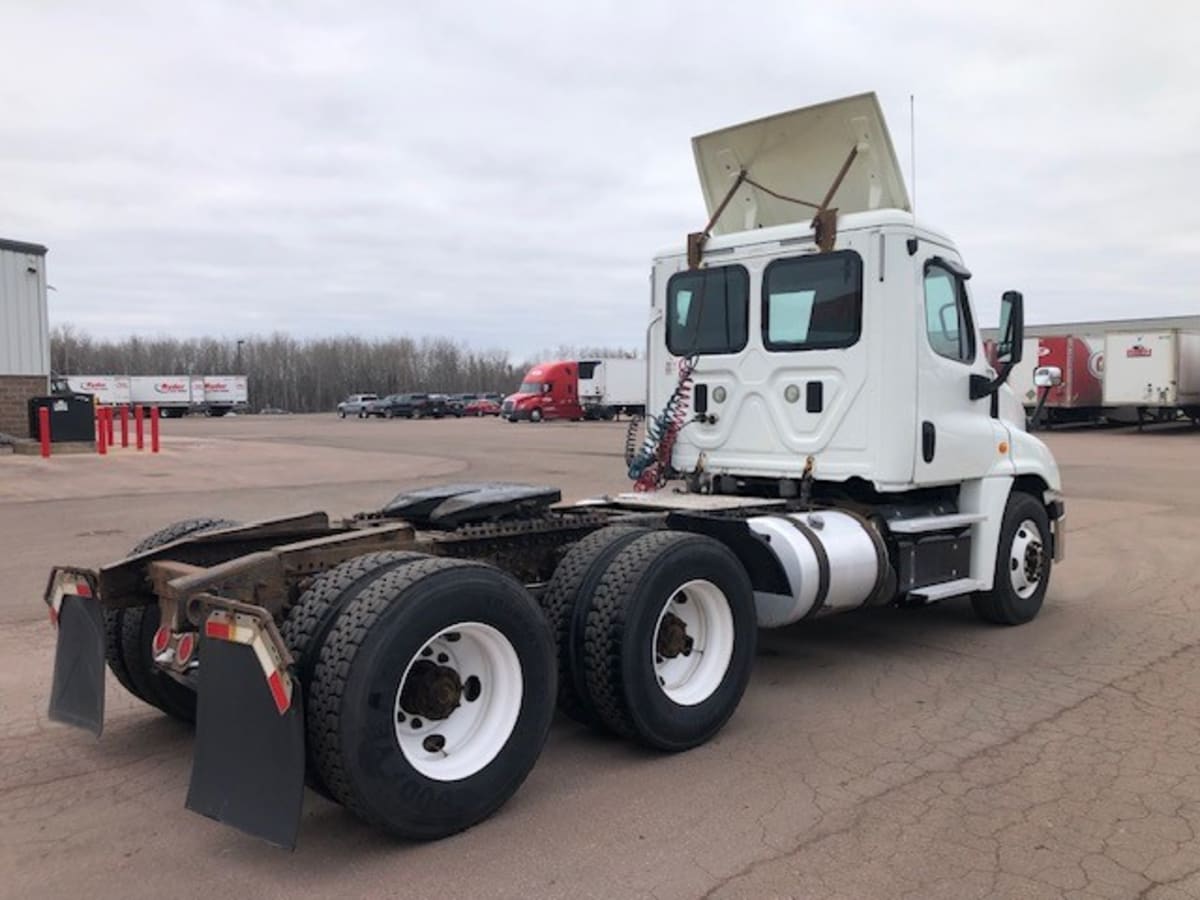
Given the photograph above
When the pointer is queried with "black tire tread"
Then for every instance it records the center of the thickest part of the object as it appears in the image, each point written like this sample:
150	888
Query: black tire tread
606	628
308	622
337	653
559	601
124	631
994	606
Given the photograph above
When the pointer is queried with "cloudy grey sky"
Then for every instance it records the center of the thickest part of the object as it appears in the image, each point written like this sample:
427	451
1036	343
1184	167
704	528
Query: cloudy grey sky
504	172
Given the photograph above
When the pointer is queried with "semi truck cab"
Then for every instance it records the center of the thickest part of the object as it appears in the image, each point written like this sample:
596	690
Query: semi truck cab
846	364
548	391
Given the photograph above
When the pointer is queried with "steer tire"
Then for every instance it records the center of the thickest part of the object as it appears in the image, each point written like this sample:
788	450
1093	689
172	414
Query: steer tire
355	724
621	658
1003	604
308	623
130	632
566	601
535	416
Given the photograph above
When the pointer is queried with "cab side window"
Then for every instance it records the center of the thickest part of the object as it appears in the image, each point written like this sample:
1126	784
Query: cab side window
948	315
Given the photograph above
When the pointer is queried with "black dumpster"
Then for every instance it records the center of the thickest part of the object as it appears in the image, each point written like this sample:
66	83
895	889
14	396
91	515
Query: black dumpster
72	417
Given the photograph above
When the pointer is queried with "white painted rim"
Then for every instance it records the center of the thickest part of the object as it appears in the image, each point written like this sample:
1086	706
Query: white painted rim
1027	561
476	731
691	678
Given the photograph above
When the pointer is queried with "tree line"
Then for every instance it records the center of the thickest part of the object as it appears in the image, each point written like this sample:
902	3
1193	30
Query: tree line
309	374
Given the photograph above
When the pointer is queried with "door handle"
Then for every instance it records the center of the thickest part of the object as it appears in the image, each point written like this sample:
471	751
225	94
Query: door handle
928	441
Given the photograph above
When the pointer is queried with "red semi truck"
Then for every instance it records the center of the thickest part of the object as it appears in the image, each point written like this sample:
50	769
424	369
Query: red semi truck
579	389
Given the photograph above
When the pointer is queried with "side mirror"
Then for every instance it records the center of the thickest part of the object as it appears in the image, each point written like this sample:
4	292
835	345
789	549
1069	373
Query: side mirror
1047	376
1012	329
1008	348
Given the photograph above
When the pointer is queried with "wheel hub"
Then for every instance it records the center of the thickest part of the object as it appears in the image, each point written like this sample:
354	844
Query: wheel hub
1033	562
673	639
431	691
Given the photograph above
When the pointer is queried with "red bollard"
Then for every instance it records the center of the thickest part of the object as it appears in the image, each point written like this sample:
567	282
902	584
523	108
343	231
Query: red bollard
138	415
101	432
108	424
124	426
154	429
44	430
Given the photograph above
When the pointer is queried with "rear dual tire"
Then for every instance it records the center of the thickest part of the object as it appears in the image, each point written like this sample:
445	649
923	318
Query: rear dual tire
129	636
656	633
431	697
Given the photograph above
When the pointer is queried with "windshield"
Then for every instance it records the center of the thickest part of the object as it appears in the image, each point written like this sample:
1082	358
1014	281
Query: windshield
530	387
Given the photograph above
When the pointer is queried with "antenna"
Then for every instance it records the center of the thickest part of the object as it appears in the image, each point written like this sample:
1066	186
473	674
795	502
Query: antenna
912	148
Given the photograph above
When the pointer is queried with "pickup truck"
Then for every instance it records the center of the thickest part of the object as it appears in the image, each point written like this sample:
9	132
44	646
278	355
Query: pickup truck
355	405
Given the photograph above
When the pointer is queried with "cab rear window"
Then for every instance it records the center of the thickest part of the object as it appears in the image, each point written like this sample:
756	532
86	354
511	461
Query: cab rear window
813	302
707	311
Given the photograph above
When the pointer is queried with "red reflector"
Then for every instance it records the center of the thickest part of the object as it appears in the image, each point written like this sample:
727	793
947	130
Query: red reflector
218	630
162	637
183	650
281	698
83	589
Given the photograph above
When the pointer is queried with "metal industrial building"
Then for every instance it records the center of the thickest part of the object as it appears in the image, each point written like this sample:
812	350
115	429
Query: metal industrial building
24	333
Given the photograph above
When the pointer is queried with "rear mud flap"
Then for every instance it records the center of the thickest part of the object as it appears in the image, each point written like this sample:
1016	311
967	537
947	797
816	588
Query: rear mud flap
248	765
77	691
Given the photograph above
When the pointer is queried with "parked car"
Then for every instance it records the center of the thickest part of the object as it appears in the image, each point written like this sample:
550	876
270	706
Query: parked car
426	406
355	405
482	406
393	406
453	403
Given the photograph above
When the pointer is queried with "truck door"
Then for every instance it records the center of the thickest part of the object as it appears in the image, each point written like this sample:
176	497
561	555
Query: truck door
956	436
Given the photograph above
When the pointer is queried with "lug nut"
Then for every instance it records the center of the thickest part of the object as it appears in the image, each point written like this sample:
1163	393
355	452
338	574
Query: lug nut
417	723
434	743
472	689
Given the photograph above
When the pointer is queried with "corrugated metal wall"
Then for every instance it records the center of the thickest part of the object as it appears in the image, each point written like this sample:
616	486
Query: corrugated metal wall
24	319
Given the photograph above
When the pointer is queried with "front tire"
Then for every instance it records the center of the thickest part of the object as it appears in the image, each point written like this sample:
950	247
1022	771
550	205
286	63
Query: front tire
670	640
432	697
1023	563
535	415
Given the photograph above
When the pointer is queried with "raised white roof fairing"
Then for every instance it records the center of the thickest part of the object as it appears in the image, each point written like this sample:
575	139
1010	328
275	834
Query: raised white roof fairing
798	154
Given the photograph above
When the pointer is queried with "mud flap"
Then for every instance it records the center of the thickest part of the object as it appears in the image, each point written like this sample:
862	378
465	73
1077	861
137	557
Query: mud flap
77	692
248	764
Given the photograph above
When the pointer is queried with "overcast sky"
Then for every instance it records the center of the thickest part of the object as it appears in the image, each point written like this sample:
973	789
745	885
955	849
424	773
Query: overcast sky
504	173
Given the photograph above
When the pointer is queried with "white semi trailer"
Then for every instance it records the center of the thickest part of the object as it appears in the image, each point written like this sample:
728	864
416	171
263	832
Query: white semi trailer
1157	373
610	387
828	435
109	390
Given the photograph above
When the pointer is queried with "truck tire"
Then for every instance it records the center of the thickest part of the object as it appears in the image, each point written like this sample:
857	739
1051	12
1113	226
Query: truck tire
308	622
432	697
535	415
565	603
130	636
1023	564
665	596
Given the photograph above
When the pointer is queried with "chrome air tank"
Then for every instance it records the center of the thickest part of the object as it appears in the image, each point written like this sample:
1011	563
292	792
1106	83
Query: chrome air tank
834	561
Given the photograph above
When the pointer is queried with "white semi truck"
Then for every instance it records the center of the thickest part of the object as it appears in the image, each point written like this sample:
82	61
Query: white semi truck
827	435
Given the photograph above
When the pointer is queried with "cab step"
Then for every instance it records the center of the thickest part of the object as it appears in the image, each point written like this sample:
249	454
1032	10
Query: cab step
946	589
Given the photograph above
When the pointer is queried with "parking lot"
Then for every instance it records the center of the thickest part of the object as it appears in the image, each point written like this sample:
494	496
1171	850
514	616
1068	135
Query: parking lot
890	753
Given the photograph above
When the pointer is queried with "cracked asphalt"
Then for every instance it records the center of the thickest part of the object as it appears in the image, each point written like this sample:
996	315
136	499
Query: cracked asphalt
889	753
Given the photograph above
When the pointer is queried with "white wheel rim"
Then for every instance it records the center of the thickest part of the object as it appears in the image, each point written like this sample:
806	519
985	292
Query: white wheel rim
490	686
691	674
1027	559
